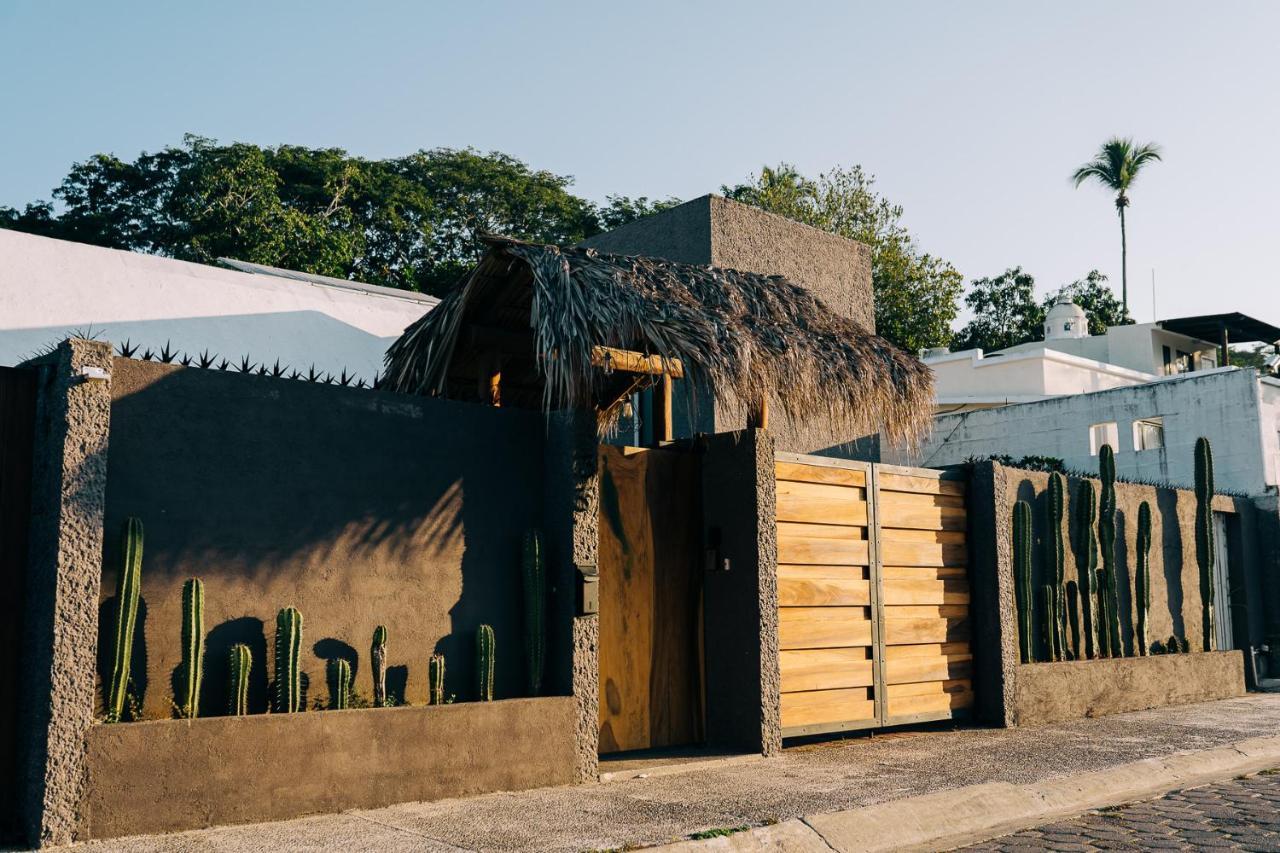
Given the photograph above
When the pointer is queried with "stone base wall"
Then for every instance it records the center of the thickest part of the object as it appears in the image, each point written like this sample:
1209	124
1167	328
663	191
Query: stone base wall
1053	692
174	775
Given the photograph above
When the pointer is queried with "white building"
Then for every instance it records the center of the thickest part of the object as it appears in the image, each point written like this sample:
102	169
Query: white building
52	289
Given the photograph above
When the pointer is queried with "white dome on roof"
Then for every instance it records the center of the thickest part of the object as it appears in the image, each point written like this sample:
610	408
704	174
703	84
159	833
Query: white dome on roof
1065	320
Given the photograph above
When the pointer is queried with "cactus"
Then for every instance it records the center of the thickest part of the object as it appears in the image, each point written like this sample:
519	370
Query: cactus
378	661
239	665
1109	594
1022	577
1073	617
288	688
1048	599
435	680
484	663
339	684
1084	511
1055	559
192	647
128	585
535	611
1206	548
1142	579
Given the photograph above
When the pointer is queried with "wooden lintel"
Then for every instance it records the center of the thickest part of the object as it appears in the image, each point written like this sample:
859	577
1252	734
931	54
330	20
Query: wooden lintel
630	361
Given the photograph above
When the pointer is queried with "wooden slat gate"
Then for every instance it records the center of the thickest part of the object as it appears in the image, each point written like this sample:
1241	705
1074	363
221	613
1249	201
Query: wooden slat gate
873	595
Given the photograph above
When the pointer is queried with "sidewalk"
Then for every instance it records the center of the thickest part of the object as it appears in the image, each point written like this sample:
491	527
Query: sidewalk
808	780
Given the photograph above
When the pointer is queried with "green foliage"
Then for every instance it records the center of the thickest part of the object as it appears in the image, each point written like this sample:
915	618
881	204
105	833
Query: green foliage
1005	312
435	680
1055	563
1095	296
484	663
288	684
1108	596
535	610
1206	547
239	666
192	647
916	294
1142	580
128	587
618	210
339	671
1022	577
1073	617
378	665
1084	511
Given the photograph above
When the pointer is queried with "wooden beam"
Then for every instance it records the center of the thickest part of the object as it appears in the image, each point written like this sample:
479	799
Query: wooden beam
758	417
664	429
630	361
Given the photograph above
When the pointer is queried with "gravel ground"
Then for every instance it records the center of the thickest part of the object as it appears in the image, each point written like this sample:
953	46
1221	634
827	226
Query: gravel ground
805	780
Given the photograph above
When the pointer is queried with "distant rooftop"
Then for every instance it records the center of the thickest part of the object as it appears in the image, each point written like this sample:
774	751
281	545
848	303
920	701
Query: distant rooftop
329	281
1239	328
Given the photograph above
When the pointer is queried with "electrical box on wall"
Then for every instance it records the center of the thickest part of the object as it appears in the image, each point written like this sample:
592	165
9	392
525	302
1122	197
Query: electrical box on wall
588	589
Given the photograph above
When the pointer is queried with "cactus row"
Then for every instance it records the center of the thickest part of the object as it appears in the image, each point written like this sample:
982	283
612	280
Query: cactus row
1206	548
1108	592
1022	577
484	663
435	680
535	611
192	647
288	686
1142	576
1084	511
1055	560
339	684
1073	617
238	667
378	661
128	586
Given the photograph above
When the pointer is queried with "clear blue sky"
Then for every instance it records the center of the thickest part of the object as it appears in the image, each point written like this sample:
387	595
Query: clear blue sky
971	114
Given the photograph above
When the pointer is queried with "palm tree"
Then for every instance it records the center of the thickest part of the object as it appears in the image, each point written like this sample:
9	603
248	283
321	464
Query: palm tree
1115	167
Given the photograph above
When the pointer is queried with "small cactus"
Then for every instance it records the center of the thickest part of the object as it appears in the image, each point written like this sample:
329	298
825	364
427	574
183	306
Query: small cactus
1206	548
435	680
535	611
128	586
1073	617
1022	577
1048	600
288	686
1084	511
339	684
239	666
192	647
1055	559
484	663
1142	579
1109	593
378	661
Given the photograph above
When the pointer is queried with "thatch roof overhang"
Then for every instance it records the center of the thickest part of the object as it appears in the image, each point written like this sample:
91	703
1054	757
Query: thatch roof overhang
538	315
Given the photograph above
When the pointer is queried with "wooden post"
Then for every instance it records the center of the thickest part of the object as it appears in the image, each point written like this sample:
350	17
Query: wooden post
664	429
758	417
495	388
1225	361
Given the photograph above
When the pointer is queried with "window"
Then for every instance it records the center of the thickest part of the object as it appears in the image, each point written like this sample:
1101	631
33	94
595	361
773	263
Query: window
1168	361
1100	434
1148	434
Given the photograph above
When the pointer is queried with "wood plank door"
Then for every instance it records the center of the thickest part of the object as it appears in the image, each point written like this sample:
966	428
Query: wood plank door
873	595
650	598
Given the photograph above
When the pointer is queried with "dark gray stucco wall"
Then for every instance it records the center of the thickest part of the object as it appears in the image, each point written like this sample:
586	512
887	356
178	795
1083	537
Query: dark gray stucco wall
991	596
1268	572
60	647
741	604
681	234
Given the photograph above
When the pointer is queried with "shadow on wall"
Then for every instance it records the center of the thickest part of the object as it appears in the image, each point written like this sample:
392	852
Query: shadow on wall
1171	542
359	508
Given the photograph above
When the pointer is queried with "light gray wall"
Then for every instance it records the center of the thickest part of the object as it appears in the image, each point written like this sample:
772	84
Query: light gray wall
1223	406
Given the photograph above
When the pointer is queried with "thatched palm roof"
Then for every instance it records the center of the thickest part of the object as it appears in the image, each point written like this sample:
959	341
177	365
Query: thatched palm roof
536	313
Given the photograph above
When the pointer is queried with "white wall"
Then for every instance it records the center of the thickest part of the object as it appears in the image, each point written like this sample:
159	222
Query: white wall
1229	406
51	288
1021	375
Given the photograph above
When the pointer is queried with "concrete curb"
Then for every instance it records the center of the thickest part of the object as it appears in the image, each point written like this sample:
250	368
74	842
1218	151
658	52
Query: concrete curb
947	819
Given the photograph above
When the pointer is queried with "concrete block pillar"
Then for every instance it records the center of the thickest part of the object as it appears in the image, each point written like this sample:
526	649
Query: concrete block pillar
741	592
991	609
60	650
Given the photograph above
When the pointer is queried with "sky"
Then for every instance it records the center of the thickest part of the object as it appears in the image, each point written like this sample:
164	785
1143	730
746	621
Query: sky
971	115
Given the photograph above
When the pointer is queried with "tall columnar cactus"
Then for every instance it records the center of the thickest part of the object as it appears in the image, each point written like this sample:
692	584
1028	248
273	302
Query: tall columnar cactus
1107	539
1073	617
435	680
1084	511
484	663
238	667
128	586
378	661
1048	598
1206	547
1055	561
192	647
1022	578
339	684
1142	579
288	686
535	611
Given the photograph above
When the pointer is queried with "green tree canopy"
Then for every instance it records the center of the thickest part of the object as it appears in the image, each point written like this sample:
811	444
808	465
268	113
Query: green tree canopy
1095	296
916	294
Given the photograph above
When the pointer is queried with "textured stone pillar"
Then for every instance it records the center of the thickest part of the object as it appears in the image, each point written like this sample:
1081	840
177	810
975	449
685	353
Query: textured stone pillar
65	569
991	609
1267	569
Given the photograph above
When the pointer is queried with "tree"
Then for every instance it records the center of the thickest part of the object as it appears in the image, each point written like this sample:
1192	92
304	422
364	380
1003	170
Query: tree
1005	312
1095	296
916	294
618	210
1116	167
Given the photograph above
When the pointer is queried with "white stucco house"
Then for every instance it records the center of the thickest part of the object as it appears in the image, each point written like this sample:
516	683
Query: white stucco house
51	289
1149	390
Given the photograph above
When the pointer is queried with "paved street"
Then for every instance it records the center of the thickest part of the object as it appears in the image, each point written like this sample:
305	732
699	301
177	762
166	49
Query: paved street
1243	814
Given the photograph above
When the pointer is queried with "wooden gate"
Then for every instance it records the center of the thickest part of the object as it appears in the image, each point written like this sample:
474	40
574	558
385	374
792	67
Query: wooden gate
873	595
650	598
17	425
